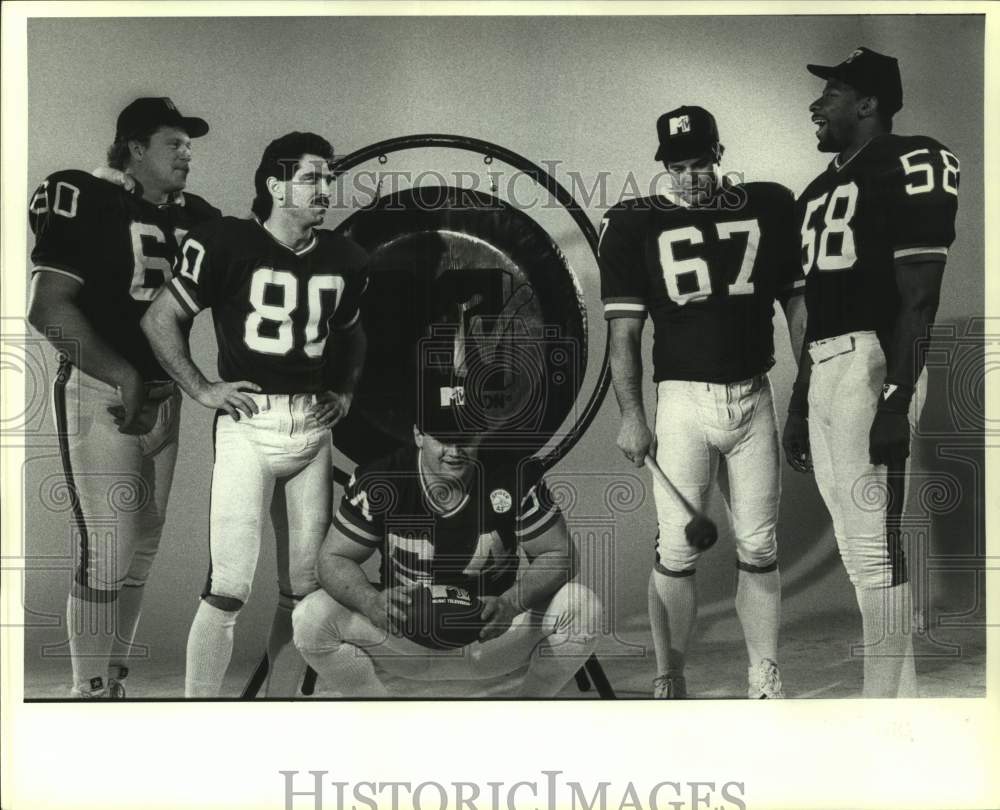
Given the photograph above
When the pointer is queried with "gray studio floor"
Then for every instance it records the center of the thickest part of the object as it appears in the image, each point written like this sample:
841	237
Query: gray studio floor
816	662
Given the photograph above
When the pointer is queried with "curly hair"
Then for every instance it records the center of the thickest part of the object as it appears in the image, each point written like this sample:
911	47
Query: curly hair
119	154
280	160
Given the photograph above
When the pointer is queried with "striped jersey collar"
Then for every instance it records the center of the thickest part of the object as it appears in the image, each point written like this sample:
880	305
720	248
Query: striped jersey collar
298	252
837	165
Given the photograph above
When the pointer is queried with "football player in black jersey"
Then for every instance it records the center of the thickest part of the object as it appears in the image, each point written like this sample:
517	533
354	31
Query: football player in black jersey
103	250
447	516
284	296
876	226
706	260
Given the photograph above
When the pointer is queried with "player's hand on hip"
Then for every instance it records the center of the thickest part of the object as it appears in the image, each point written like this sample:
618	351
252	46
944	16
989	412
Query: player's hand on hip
795	440
230	397
331	407
635	440
889	438
498	612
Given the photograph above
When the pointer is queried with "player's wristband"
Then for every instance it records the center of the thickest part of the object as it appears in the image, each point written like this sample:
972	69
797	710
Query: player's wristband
895	398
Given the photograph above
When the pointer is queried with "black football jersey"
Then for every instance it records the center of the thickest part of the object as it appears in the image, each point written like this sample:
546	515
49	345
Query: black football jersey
474	546
894	201
707	275
273	307
120	247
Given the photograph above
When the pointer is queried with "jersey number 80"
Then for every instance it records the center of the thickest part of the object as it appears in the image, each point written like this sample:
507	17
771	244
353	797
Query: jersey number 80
264	310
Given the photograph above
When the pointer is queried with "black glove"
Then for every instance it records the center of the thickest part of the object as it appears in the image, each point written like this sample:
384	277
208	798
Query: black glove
889	439
795	440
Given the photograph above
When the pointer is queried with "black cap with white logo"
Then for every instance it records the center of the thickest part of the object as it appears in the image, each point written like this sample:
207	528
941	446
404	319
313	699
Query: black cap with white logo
685	133
145	114
870	73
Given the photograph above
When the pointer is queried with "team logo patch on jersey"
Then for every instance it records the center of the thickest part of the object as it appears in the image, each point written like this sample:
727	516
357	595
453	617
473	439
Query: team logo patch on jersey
501	500
680	124
888	390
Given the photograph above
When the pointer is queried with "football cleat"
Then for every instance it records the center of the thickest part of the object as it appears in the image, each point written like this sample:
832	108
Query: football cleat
764	681
116	689
96	691
669	687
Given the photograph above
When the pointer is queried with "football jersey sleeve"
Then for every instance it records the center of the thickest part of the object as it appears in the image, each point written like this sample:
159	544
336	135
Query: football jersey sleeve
65	216
620	254
791	278
536	513
355	517
922	190
196	273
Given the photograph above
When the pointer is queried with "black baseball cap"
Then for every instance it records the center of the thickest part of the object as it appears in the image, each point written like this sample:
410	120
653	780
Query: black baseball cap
440	406
456	407
685	133
146	114
870	73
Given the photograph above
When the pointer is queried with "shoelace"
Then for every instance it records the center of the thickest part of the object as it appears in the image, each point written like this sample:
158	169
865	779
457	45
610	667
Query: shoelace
669	686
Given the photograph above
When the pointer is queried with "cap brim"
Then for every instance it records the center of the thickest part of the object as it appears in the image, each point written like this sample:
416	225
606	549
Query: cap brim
194	127
823	71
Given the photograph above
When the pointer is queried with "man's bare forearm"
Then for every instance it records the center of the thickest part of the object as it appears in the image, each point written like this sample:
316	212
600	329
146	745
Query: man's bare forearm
545	575
168	334
345	581
919	287
65	326
626	367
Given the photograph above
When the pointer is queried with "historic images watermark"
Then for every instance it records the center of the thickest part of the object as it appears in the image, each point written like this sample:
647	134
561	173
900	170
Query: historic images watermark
318	790
364	188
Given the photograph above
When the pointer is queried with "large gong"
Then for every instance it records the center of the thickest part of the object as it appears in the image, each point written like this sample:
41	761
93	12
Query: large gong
464	282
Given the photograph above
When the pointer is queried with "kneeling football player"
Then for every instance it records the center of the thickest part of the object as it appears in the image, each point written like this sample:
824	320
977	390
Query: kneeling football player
448	523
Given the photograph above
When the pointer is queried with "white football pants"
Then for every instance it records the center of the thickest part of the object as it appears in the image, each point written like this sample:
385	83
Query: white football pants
118	484
698	423
281	458
570	620
865	501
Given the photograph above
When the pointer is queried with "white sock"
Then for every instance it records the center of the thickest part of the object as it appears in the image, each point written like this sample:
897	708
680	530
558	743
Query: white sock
90	627
348	670
908	676
886	615
758	605
673	610
286	665
129	608
209	649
